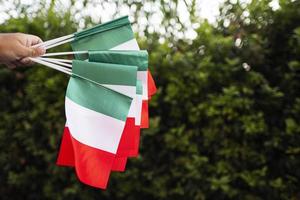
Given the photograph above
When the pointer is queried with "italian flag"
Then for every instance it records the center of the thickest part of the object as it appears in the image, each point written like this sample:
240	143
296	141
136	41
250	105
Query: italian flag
96	118
95	153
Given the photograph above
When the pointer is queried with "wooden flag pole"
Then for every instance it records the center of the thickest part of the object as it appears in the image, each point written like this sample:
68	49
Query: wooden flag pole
53	66
61	69
59	43
59	59
65	53
56	62
54	41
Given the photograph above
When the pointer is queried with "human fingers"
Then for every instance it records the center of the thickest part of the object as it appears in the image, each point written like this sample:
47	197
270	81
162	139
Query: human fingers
26	61
30	51
33	40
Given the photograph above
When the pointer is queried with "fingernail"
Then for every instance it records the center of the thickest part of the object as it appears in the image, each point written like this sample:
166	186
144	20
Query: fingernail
42	50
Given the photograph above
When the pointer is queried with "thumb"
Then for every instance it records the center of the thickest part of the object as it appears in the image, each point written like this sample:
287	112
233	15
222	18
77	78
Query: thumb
31	51
38	51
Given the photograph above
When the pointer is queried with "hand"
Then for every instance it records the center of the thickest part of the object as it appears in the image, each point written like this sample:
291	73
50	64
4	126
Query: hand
15	48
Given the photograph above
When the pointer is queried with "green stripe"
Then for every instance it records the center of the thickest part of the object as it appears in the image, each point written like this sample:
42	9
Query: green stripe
103	41
106	73
98	98
135	58
122	21
139	87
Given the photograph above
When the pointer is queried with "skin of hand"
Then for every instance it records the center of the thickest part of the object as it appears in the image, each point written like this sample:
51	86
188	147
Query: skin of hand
15	48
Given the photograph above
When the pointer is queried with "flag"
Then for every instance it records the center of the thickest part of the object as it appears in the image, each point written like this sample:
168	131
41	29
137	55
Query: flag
96	117
115	36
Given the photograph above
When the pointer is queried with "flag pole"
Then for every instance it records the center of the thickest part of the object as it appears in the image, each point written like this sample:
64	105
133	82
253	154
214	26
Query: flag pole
53	66
53	41
56	62
59	59
60	43
65	53
61	69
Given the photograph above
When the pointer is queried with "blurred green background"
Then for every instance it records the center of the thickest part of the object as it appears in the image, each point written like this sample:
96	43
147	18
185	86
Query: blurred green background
225	123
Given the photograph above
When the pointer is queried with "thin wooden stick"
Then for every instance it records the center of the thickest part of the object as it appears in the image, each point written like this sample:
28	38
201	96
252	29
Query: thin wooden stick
53	41
61	60
53	66
55	62
65	53
62	69
59	43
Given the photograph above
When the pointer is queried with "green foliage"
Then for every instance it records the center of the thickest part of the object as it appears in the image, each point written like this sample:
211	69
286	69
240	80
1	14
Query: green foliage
225	123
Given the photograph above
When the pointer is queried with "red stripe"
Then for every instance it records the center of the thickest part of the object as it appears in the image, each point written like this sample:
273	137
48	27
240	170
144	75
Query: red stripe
129	145
66	153
145	110
93	166
119	164
151	85
145	115
134	152
130	139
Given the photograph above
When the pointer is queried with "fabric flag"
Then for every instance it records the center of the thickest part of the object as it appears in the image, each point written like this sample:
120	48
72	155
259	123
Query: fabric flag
114	35
96	117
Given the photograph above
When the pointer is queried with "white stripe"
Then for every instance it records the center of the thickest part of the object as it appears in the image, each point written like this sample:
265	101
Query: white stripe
129	45
92	128
138	110
123	89
132	110
143	76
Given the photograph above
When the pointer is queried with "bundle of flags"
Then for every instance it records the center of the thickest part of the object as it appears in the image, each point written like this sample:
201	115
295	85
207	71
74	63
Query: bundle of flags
106	101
